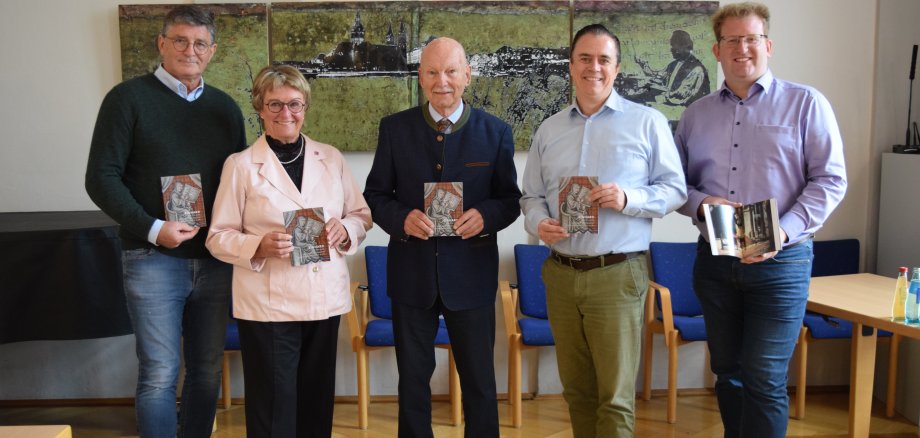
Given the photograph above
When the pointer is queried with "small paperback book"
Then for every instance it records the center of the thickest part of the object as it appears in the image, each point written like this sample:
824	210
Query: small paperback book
576	213
444	205
308	230
749	230
182	200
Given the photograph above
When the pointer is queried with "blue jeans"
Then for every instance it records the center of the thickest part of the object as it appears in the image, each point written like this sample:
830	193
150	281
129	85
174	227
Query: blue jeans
173	302
753	316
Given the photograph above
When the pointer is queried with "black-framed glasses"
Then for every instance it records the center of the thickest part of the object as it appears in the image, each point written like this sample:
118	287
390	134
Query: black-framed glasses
181	44
752	40
295	106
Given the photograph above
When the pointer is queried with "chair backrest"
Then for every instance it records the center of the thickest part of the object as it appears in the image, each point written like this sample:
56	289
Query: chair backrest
835	257
375	259
528	260
672	267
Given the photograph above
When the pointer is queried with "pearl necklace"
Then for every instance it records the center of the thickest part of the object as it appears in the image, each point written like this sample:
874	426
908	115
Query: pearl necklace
302	145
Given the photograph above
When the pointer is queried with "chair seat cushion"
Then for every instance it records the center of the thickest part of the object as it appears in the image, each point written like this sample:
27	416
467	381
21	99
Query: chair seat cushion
536	332
380	333
691	328
833	328
232	340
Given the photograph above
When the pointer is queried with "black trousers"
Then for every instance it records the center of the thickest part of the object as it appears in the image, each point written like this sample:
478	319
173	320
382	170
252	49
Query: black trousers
472	339
289	372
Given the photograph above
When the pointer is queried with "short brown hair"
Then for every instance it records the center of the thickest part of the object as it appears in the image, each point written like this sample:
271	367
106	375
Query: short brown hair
276	76
740	10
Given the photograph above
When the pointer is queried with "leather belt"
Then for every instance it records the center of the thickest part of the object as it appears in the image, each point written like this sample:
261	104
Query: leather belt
588	263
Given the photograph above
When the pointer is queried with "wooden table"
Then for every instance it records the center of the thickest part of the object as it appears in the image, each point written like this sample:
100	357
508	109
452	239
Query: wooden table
864	299
35	432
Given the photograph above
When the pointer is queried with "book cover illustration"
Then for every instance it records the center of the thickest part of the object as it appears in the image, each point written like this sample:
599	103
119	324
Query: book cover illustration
307	227
444	205
182	200
749	230
576	213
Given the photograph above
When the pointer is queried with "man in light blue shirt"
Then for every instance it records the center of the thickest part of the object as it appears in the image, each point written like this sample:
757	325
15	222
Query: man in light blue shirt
596	283
756	138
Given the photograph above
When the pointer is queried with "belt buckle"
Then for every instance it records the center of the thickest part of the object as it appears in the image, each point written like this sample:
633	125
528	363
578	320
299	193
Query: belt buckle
573	261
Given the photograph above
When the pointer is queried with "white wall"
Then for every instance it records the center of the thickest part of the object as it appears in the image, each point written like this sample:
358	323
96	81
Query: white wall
61	57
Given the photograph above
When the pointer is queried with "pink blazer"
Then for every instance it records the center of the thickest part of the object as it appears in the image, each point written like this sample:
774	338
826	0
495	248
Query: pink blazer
253	194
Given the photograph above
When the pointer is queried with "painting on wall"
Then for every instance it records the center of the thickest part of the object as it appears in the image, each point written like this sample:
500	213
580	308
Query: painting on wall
666	61
242	49
358	58
361	58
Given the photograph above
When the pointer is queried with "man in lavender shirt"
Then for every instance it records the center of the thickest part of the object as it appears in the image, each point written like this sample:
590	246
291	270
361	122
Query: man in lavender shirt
755	138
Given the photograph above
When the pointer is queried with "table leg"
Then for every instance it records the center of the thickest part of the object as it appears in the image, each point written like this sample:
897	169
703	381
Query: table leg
862	375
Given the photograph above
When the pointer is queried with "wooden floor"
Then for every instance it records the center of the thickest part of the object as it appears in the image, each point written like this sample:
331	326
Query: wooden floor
698	416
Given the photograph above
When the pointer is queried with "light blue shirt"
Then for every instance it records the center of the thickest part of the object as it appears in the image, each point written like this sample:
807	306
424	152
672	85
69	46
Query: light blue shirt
625	143
179	88
453	117
781	142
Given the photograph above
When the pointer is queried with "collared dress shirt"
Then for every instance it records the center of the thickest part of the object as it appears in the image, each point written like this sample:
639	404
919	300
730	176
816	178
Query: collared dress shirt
782	142
625	143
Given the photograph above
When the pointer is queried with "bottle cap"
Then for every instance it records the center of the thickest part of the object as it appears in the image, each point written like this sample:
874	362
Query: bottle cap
902	269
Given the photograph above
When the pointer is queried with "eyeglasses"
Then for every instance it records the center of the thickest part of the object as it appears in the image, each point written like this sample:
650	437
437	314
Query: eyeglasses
752	40
181	44
295	106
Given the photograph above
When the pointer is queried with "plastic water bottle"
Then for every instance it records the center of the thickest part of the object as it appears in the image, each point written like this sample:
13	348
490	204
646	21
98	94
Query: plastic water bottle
898	307
912	306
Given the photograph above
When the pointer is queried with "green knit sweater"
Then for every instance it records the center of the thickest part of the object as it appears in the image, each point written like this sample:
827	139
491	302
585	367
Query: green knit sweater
145	131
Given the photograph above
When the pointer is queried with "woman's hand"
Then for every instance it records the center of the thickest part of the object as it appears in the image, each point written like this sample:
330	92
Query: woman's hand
275	244
337	235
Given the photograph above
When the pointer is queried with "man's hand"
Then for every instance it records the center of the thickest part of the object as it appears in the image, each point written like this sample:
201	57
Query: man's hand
469	224
173	233
275	244
551	231
418	225
767	256
715	200
608	195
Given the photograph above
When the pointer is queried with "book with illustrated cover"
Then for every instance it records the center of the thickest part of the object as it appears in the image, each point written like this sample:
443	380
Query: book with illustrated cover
182	200
307	227
444	205
576	213
749	230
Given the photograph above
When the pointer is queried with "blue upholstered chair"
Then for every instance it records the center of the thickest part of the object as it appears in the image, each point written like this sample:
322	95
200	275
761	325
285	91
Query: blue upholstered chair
837	257
672	310
231	344
375	333
529	328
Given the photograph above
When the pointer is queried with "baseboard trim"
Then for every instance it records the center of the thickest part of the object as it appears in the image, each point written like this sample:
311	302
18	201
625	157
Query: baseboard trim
376	398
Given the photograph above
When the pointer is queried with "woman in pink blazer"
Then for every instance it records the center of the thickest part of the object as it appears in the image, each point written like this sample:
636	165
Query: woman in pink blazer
288	315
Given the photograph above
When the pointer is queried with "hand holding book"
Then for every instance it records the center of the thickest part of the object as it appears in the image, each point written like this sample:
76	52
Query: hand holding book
746	231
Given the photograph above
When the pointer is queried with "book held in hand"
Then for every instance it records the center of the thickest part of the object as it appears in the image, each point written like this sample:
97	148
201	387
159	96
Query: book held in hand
576	213
749	230
182	200
444	205
307	227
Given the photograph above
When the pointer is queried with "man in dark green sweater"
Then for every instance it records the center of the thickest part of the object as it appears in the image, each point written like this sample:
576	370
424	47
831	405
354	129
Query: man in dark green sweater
169	123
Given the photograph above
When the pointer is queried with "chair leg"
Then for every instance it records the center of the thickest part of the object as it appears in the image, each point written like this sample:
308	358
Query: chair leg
515	386
800	387
225	381
892	375
672	377
364	397
647	364
456	406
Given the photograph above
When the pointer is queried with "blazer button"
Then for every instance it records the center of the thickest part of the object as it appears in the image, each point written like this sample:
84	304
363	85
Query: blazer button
440	137
438	166
316	269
